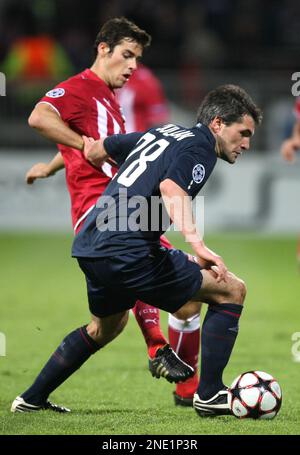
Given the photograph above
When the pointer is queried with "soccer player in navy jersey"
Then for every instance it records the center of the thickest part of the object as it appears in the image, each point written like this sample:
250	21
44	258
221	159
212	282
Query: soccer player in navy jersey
120	253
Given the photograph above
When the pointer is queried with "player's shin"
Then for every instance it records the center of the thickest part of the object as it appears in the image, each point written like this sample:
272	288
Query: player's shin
184	338
73	351
148	319
219	332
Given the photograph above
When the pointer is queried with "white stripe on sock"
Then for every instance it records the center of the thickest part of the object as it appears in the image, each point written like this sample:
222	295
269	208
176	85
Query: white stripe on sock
190	325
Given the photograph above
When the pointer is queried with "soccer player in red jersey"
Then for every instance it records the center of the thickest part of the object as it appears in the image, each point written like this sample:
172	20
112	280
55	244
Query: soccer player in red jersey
143	101
144	105
86	105
290	147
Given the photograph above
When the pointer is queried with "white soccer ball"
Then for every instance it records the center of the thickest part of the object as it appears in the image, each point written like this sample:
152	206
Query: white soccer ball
256	395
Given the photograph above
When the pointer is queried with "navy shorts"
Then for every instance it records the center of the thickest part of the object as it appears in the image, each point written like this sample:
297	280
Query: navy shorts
166	279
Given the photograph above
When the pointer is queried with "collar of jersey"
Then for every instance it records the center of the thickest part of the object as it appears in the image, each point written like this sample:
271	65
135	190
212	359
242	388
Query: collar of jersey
89	74
207	133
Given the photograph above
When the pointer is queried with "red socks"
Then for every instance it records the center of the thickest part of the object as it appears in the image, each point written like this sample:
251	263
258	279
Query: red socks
148	318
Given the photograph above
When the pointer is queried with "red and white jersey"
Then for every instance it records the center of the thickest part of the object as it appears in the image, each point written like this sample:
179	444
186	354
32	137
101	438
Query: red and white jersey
88	106
297	109
143	101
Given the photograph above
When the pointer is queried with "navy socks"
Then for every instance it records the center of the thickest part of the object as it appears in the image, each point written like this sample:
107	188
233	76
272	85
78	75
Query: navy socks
73	351
219	332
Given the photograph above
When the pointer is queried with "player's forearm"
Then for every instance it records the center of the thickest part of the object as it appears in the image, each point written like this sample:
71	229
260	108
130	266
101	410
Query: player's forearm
179	208
50	125
189	231
56	164
44	170
181	214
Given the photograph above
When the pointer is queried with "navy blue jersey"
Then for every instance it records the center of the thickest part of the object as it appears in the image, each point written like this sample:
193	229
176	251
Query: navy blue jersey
130	217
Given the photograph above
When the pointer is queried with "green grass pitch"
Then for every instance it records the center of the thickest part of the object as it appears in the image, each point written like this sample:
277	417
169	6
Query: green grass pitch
43	298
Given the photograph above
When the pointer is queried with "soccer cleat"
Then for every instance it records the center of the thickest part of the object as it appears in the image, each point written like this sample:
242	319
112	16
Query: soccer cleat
217	405
20	405
167	364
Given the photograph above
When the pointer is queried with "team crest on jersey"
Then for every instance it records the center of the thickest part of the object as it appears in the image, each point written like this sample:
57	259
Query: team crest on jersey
56	93
198	173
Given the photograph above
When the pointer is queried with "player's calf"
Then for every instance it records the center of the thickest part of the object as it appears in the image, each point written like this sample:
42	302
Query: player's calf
219	331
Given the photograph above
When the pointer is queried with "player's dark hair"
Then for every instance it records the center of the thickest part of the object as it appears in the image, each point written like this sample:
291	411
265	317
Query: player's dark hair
118	28
230	103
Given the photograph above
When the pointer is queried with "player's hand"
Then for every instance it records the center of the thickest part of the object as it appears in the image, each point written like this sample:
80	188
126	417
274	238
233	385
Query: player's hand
38	171
207	259
221	271
91	151
289	148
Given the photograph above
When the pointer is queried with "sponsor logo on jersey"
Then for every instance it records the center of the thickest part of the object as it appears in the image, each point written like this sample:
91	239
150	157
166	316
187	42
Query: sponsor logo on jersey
56	93
198	173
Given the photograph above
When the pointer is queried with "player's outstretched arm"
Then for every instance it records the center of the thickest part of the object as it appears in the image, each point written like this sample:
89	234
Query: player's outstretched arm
179	207
44	170
49	124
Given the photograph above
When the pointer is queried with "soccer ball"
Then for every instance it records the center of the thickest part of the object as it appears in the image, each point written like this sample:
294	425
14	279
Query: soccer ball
256	395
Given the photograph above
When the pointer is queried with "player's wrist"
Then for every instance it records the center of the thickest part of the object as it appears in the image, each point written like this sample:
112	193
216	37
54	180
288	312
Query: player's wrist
81	145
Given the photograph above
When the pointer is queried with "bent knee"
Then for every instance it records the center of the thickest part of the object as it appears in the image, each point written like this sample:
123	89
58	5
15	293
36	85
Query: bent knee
94	330
239	291
122	324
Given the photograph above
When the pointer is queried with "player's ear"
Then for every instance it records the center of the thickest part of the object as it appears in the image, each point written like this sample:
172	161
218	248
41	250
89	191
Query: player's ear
103	49
216	125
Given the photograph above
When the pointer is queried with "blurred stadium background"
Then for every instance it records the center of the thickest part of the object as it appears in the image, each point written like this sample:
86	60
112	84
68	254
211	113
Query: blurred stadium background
196	46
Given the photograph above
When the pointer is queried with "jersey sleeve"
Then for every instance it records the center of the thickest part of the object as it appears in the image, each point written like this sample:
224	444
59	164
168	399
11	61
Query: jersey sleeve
119	146
190	170
64	101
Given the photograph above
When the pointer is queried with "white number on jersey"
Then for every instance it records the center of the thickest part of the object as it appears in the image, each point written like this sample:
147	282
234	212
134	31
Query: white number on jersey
138	166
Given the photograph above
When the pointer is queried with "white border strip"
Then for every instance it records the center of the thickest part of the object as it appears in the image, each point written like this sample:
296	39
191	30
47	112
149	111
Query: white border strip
83	217
53	107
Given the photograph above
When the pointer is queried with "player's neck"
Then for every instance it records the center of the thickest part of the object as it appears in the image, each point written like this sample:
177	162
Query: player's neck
217	149
96	69
217	146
